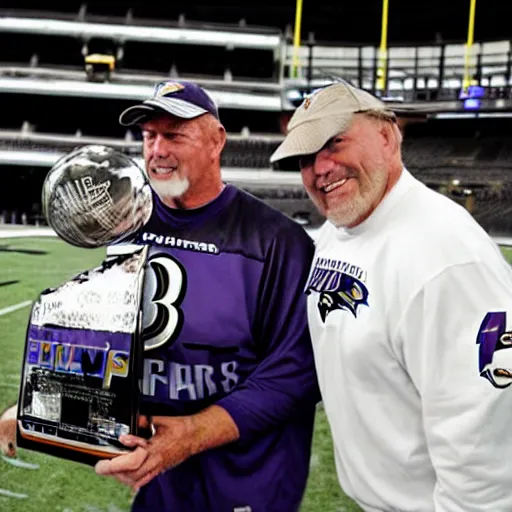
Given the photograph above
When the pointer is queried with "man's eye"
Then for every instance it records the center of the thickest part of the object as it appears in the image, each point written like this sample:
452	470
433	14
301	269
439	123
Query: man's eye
306	161
336	140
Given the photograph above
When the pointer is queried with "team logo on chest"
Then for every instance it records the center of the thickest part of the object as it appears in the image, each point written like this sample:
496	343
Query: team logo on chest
340	285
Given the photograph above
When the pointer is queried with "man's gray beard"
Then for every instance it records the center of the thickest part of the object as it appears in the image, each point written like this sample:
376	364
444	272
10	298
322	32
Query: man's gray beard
170	189
348	213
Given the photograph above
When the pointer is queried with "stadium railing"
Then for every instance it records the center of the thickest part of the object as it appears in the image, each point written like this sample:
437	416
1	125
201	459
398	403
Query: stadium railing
415	73
231	55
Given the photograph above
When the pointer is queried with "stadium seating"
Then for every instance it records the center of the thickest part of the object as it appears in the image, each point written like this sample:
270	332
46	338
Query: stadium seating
245	63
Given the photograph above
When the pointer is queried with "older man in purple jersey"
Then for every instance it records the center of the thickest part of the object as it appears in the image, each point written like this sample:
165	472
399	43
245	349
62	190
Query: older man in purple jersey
229	382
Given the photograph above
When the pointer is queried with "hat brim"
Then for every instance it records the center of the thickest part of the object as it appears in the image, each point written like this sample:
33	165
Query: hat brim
311	136
173	106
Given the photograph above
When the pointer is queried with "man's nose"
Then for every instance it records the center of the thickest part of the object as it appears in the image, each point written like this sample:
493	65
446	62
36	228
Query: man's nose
160	147
323	163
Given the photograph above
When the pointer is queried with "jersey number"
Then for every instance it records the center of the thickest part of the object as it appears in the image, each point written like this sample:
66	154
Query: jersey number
164	289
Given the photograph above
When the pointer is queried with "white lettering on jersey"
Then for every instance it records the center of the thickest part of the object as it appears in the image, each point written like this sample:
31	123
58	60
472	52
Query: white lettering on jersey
189	245
149	383
229	372
181	379
164	287
187	381
203	375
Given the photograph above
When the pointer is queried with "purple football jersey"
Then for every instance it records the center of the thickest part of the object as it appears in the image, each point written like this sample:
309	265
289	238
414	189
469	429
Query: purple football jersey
225	322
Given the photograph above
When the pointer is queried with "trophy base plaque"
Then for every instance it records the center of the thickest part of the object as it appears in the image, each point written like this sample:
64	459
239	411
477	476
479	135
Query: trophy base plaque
79	390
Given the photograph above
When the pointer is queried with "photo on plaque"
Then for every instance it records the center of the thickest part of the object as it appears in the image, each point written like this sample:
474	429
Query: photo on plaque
79	387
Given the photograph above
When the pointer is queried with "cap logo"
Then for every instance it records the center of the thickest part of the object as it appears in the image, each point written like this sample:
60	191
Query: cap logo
169	88
307	103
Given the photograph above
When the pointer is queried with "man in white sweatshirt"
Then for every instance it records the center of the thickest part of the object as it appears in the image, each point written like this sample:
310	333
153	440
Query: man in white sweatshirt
410	311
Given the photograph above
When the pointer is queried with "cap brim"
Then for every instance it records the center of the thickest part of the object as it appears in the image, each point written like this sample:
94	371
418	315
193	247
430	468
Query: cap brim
309	137
173	106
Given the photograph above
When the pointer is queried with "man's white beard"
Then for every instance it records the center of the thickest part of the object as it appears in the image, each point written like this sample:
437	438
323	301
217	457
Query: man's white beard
170	189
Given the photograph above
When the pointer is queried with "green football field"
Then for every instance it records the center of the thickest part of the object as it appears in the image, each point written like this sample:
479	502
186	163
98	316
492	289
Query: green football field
27	266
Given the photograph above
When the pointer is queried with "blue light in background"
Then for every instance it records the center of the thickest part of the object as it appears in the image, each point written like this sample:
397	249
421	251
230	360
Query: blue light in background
472	104
474	91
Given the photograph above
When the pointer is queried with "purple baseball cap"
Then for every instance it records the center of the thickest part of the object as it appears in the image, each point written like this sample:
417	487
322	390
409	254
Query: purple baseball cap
181	99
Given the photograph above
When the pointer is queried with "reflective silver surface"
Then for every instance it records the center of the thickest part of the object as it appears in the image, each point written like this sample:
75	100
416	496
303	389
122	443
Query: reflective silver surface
95	196
106	298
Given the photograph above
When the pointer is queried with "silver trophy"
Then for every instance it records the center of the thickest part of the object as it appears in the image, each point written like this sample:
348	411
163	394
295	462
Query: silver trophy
83	352
95	196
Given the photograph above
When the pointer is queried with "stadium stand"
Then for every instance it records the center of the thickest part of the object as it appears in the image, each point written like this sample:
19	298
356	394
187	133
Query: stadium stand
245	62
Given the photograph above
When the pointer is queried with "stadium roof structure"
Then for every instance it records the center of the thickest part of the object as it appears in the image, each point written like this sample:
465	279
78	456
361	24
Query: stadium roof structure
330	20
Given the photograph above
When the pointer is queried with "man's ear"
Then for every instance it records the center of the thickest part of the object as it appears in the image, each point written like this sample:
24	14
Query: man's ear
220	139
391	137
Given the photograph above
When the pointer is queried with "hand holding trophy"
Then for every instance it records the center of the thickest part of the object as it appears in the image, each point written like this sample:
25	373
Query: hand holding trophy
79	386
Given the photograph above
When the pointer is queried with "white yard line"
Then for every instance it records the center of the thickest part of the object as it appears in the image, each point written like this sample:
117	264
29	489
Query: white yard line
15	307
25	232
7	385
19	463
10	494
